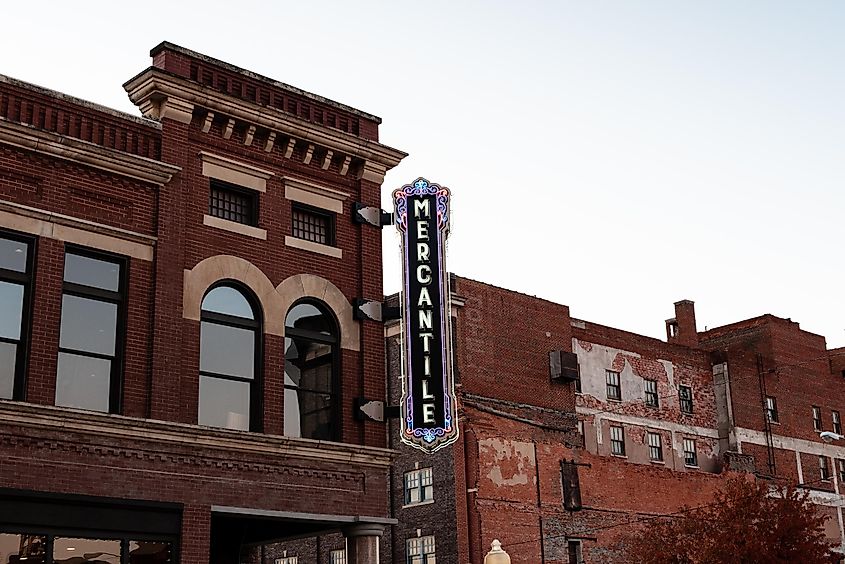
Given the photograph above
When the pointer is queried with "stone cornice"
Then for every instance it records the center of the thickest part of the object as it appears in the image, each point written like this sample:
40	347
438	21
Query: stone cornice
83	152
152	89
66	420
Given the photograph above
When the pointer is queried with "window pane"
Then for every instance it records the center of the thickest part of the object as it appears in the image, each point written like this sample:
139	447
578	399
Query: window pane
145	552
308	364
8	354
13	255
89	551
83	382
310	318
92	272
316	415
22	548
11	304
227	350
229	301
88	325
224	403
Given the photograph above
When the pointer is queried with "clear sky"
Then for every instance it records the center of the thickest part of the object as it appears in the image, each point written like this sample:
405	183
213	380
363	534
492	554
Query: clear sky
615	156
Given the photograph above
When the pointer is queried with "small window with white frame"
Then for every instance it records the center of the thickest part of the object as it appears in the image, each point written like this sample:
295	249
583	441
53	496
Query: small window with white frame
840	467
817	418
685	397
617	441
287	560
824	468
655	447
837	422
614	390
420	550
337	556
690	453
651	397
772	409
419	486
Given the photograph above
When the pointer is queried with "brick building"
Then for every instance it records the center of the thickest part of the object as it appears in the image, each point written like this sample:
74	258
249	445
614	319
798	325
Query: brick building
559	469
179	360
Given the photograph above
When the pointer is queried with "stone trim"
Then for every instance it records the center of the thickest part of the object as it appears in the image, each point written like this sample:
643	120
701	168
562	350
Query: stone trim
364	521
234	227
64	420
275	302
85	153
235	172
313	247
154	84
61	227
314	195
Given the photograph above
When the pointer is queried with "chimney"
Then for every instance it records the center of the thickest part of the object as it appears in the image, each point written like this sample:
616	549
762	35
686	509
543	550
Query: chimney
681	328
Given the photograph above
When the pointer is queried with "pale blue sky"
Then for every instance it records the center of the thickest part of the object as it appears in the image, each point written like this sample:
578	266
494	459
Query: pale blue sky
612	156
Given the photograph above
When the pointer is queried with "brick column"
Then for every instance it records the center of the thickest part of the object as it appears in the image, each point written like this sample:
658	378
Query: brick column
196	534
362	543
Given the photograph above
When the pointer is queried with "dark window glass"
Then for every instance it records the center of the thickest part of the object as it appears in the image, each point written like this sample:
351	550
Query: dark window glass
655	447
15	289
28	549
651	398
92	272
685	395
824	469
88	375
617	441
690	453
837	423
817	418
573	549
233	203
313	225
146	552
228	395
310	366
14	254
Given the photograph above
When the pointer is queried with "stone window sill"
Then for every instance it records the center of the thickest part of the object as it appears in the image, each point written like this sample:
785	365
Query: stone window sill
234	227
313	247
418	503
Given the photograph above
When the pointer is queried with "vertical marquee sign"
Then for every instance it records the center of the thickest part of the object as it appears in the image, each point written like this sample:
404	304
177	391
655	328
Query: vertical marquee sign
428	410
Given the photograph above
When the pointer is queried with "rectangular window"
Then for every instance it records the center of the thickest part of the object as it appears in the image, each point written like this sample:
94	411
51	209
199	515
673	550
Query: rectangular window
617	441
337	556
614	390
233	203
15	290
419	486
655	447
573	548
89	366
581	432
685	396
824	469
772	409
651	399
690	454
837	423
313	225
287	560
817	418
840	467
420	550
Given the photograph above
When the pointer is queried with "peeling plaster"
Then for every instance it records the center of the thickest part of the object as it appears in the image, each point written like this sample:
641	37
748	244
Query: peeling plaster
511	463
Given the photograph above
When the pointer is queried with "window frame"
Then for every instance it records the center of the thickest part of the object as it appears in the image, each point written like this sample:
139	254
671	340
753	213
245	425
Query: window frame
651	398
119	298
614	441
817	418
252	195
617	386
331	224
25	279
837	422
654	448
772	409
416	476
682	401
690	461
420	557
824	469
256	325
334	341
334	554
840	467
574	548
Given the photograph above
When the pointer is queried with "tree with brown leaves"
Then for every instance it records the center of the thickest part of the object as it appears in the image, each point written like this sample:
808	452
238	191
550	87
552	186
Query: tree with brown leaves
749	523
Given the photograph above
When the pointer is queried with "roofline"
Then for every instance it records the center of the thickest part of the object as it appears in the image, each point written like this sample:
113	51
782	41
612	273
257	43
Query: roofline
292	89
79	101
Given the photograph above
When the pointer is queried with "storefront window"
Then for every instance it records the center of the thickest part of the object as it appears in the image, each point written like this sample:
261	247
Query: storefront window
22	548
90	551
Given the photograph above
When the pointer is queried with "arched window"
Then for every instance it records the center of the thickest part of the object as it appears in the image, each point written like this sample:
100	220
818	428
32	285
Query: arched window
310	372
229	341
